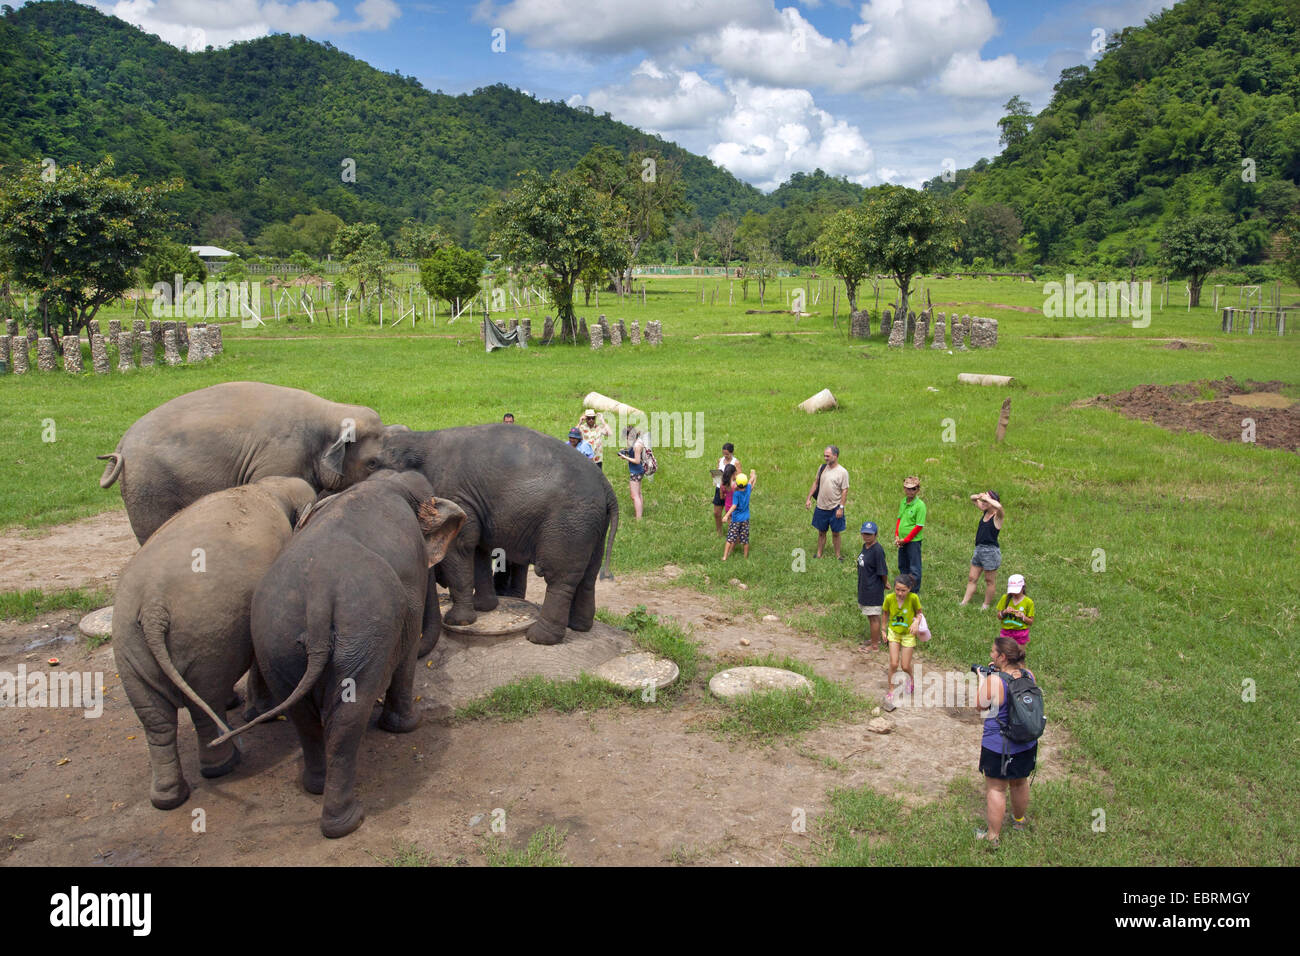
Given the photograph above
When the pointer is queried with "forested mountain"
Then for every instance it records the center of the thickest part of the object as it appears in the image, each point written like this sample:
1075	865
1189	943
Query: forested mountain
1197	111
259	131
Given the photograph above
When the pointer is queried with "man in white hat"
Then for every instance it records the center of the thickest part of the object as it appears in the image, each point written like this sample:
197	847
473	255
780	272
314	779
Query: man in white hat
594	430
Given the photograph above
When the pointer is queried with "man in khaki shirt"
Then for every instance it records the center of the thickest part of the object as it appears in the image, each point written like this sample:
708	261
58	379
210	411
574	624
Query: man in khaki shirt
831	488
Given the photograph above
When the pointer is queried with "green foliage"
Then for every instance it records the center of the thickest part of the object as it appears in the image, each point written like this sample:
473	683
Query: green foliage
907	232
314	232
765	715
1195	245
1290	257
301	260
27	605
544	849
992	232
529	695
76	236
452	273
418	241
1015	125
168	259
348	239
563	222
844	247
663	638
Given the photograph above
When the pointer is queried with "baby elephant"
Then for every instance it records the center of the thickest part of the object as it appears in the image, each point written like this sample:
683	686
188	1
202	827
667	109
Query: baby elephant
180	620
337	623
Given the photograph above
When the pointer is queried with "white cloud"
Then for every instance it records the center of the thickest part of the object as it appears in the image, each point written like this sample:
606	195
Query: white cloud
662	102
967	76
195	24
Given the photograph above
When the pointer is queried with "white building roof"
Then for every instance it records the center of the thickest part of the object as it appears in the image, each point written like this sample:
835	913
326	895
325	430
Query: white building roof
211	252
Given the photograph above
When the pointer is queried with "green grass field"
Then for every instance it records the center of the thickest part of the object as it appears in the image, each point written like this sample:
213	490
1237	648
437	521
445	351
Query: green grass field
1143	663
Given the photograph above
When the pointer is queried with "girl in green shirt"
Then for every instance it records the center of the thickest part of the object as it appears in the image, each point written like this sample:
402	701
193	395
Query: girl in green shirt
900	610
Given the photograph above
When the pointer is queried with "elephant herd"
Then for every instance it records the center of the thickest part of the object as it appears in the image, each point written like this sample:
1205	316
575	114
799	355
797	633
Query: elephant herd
300	541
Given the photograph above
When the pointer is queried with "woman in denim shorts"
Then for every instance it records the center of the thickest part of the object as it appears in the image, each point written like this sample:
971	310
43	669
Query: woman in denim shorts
988	554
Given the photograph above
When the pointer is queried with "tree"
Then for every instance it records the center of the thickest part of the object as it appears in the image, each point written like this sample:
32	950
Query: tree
366	265
1016	123
277	240
452	273
991	231
844	246
560	221
1290	251
724	234
168	259
301	260
909	231
76	238
313	232
1196	245
419	241
349	239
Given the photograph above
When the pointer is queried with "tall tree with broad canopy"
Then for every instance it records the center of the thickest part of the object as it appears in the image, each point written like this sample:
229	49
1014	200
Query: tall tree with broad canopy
1196	245
75	236
563	223
452	273
909	232
844	246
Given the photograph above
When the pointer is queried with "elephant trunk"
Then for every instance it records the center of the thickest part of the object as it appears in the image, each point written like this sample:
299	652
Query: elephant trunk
319	651
611	510
154	621
112	470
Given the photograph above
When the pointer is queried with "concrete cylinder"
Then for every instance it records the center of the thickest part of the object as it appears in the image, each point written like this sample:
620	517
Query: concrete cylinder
72	354
125	351
214	340
635	332
46	357
597	336
939	332
146	349
99	354
171	351
18	354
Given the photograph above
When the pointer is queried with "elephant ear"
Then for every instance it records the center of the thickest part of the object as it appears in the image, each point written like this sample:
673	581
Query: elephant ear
440	522
331	463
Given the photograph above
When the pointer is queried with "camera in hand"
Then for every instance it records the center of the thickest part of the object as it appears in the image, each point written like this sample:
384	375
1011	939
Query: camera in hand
984	669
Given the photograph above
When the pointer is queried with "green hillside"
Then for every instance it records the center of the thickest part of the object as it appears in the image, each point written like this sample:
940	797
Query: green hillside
259	131
1162	125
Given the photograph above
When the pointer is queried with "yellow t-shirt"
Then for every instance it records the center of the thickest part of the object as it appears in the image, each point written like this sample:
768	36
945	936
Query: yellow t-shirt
1025	606
900	619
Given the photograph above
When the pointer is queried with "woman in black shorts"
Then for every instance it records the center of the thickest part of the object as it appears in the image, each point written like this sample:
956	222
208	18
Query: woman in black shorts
999	774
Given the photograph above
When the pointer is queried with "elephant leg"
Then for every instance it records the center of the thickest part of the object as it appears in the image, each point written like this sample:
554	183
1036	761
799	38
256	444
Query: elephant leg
257	694
306	720
485	593
213	761
400	715
582	613
344	727
517	585
431	629
158	718
549	627
457	569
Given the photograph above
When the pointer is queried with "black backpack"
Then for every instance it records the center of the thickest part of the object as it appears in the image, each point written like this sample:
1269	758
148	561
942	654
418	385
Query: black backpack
1025	719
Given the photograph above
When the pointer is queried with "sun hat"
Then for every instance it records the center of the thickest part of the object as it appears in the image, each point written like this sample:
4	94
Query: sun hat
574	433
911	481
589	413
742	480
868	527
1015	584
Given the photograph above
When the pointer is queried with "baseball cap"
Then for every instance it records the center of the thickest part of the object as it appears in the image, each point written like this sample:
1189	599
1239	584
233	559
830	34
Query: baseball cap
742	480
911	481
574	433
1015	583
589	413
868	527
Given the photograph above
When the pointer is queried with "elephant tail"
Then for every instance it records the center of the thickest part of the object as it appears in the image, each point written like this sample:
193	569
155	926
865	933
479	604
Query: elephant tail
319	649
611	512
155	622
112	471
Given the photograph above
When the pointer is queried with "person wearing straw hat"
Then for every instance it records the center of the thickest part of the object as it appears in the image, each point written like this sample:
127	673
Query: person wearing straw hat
908	530
594	431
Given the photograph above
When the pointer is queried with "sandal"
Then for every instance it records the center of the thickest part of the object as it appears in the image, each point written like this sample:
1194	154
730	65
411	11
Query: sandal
889	701
982	834
1020	825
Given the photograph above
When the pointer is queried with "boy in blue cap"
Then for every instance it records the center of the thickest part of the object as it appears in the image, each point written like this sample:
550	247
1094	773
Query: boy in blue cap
873	577
577	441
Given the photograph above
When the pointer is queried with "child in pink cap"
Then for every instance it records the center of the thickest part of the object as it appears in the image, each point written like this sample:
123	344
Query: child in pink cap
1016	610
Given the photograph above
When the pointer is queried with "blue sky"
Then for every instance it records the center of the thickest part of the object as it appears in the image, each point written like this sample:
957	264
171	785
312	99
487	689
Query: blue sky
878	91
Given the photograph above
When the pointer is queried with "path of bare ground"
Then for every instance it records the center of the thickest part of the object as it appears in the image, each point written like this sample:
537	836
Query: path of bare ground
640	787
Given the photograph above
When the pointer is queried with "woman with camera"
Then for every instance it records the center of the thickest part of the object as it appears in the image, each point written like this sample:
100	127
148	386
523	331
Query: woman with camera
1006	764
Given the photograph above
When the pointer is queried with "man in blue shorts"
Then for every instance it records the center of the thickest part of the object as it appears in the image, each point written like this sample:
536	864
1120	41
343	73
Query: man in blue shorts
830	490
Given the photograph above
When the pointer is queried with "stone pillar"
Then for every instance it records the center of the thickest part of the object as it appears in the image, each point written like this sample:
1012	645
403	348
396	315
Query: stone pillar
583	334
92	328
604	328
616	334
960	331
137	328
622	331
898	332
984	334
215	345
525	330
4	353
597	335
125	351
909	327
155	333
194	351
654	332
146	349
114	330
31	338
18	354
46	357
921	331
635	332
72	354
182	335
11	327
171	351
860	324
938	332
99	354
548	330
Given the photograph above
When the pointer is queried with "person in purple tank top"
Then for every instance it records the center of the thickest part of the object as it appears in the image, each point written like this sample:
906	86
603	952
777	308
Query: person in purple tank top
999	775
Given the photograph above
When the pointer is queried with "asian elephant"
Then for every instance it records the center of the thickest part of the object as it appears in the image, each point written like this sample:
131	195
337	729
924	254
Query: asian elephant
337	621
528	494
181	619
230	434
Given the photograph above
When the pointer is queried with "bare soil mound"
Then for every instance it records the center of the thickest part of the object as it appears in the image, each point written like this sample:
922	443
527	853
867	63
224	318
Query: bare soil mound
1215	408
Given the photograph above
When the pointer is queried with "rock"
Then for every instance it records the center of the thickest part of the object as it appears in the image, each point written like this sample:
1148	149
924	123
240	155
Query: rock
860	324
638	671
635	332
898	331
770	617
875	711
739	681
879	725
99	354
744	642
171	352
939	333
597	335
511	616
72	354
736	583
18	354
46	357
125	351
98	623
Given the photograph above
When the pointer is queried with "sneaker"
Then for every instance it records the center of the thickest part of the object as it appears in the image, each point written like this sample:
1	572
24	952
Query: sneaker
983	834
1020	825
889	702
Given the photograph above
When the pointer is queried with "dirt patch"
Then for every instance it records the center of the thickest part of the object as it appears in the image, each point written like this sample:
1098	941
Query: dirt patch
987	305
1213	408
1179	345
81	554
631	786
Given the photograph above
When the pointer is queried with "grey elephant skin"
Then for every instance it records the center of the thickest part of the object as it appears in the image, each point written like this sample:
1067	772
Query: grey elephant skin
181	619
530	495
337	621
232	434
